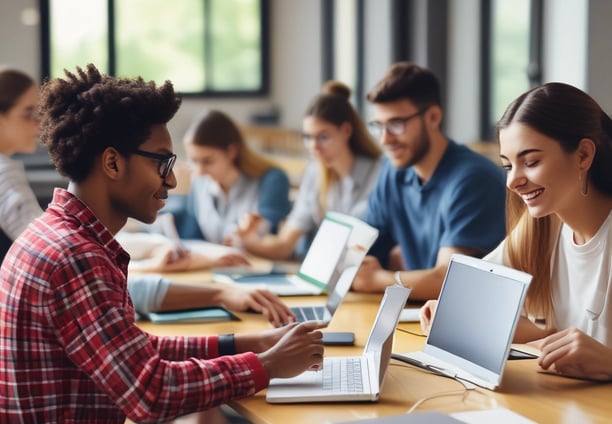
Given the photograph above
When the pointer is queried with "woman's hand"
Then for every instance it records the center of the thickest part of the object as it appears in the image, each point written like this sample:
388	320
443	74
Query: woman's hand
230	260
426	315
163	258
573	353
249	224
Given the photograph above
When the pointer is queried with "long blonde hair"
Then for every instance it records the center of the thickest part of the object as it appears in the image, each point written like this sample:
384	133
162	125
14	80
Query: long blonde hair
566	115
215	129
333	106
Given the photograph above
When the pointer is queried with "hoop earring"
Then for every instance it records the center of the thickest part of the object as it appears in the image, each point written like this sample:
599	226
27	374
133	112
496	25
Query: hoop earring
584	183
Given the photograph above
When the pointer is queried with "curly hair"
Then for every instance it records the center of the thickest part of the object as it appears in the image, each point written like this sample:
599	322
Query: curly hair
87	112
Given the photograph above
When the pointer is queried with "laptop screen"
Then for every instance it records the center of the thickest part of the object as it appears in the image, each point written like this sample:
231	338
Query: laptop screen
325	251
477	311
381	335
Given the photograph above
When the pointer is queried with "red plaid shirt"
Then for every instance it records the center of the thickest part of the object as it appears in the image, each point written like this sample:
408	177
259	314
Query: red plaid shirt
69	347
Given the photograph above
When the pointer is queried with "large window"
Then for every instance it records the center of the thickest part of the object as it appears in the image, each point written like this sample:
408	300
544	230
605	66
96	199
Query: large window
211	47
513	57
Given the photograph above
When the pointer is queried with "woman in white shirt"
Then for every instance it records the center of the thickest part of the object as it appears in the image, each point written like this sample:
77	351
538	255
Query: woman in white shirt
341	177
231	181
19	129
556	146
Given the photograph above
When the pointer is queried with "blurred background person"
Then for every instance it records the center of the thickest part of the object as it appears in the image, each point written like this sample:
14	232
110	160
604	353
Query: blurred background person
19	130
340	178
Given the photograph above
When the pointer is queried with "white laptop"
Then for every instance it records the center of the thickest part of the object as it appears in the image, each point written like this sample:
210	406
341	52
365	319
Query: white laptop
360	240
333	257
348	378
471	334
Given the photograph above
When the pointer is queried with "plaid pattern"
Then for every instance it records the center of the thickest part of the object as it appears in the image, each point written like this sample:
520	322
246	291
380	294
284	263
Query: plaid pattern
69	347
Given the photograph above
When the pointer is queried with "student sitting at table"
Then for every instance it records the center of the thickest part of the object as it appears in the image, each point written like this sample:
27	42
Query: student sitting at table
340	179
232	181
19	131
556	146
70	349
433	196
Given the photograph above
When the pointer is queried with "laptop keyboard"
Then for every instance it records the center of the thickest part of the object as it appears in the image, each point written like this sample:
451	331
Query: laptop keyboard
309	313
342	375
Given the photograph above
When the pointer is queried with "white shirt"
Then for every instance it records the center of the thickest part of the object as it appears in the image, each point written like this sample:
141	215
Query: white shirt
18	204
218	213
581	277
349	195
582	283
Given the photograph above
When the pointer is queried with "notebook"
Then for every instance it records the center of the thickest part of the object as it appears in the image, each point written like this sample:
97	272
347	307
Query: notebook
333	257
212	314
471	334
348	378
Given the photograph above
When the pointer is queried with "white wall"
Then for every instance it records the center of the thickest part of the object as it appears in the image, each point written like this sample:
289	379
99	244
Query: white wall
565	42
463	85
377	45
19	46
599	72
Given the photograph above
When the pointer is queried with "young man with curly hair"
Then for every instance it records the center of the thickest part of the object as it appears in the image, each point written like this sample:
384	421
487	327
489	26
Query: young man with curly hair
70	350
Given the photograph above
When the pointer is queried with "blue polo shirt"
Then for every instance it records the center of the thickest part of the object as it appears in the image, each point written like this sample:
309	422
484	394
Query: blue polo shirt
462	205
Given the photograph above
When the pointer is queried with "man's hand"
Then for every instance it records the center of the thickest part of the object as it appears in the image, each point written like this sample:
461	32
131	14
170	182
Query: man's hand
371	277
299	349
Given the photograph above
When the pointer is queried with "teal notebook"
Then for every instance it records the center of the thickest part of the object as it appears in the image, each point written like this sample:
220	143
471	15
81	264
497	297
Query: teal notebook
212	314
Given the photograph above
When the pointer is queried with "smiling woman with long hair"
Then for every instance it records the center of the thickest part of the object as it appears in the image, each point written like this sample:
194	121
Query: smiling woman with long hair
556	146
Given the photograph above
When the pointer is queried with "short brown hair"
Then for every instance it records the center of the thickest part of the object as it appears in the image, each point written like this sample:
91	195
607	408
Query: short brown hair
405	80
13	83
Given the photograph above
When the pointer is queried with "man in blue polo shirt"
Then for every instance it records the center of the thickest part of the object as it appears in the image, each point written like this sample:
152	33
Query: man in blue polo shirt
433	196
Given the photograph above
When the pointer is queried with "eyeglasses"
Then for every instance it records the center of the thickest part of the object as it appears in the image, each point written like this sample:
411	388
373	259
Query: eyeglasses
396	126
322	139
166	162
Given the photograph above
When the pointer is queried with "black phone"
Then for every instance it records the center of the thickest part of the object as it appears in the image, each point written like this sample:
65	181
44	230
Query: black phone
519	354
338	338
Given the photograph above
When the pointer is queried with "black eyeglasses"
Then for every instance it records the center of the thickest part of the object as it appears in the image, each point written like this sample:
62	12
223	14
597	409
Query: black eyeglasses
396	126
166	162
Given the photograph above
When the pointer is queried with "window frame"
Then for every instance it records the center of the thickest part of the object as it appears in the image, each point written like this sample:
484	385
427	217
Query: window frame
328	54
263	90
534	59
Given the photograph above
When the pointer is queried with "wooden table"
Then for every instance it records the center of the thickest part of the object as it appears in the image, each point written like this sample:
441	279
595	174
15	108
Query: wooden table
538	396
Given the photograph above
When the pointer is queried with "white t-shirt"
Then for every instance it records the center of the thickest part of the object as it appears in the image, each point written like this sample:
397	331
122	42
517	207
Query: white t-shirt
581	278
